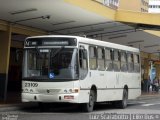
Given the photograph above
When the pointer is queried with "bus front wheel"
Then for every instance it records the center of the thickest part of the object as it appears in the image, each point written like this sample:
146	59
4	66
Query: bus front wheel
88	107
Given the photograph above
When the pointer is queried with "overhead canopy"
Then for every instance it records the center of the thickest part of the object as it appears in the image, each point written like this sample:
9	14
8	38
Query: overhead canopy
81	17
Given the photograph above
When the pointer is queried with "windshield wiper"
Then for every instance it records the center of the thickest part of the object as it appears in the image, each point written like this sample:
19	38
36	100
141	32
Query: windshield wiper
55	52
39	53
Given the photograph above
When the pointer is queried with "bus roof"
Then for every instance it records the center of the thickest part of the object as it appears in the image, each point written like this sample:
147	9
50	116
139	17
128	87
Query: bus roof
94	42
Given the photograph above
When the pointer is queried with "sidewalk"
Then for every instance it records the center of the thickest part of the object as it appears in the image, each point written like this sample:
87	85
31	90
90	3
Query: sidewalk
17	106
148	96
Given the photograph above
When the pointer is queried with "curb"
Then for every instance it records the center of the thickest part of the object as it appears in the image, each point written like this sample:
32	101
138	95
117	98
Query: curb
9	108
148	97
12	107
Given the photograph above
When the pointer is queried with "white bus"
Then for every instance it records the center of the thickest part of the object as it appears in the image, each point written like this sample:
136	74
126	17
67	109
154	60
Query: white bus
71	69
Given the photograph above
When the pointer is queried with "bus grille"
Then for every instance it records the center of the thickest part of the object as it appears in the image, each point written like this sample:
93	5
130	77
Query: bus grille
49	91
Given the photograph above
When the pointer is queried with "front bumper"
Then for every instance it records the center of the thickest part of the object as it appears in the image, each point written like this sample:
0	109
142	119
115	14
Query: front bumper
70	98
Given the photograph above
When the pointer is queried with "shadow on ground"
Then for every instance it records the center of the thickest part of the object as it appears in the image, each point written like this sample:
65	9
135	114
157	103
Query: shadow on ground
66	108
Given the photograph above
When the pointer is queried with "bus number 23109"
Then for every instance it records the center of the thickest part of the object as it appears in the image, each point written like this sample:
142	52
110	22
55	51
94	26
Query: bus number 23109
31	84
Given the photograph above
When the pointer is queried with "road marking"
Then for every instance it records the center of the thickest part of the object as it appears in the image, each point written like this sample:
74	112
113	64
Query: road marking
141	102
151	104
132	103
147	105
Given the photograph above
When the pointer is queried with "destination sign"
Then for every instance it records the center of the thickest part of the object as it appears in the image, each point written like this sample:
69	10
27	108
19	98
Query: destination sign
51	41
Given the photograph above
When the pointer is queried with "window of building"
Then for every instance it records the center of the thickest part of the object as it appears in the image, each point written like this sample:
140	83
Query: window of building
141	9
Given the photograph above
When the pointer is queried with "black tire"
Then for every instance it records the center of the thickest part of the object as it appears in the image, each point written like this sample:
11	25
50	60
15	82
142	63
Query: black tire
88	107
123	103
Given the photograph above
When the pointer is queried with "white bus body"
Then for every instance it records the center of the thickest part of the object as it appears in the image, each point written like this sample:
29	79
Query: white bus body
98	71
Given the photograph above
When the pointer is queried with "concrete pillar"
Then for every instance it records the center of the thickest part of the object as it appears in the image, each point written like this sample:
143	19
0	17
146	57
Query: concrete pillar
145	57
5	42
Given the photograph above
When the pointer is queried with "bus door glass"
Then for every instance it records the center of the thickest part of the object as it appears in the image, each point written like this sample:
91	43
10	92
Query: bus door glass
83	64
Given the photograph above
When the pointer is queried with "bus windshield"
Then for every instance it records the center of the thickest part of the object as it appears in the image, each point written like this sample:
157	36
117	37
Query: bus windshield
50	64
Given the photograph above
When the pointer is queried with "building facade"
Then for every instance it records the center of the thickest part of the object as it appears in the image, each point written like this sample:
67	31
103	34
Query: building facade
154	6
134	5
114	4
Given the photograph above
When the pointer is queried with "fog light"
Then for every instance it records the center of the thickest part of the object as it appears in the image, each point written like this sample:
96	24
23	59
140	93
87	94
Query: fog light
74	90
68	97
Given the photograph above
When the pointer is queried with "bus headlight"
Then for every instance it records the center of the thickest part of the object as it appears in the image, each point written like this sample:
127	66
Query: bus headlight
76	90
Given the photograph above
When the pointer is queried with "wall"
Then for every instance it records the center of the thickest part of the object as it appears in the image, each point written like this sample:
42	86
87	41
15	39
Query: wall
134	5
5	41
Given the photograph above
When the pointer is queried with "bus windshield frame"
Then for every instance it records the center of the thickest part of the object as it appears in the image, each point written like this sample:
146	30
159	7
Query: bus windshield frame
51	64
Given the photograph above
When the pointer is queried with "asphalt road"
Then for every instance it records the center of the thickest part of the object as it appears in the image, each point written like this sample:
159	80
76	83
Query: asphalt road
136	110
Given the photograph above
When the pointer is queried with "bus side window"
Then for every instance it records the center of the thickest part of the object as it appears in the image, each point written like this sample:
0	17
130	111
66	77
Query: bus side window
83	62
136	63
123	61
116	60
83	58
100	56
108	59
130	62
92	58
